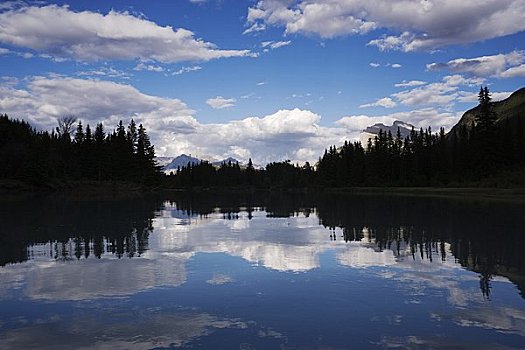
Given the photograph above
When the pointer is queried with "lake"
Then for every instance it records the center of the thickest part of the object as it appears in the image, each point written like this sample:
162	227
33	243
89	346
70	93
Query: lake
268	271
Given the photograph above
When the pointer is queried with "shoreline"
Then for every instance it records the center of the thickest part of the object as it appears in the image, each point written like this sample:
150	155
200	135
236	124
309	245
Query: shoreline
125	189
481	193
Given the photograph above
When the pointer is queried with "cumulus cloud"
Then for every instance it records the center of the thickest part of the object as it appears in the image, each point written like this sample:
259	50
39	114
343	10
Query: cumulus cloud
295	134
286	134
385	102
421	24
60	32
220	102
45	99
501	66
374	64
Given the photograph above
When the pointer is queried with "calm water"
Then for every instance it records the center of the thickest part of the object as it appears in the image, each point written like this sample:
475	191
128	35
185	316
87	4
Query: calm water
264	272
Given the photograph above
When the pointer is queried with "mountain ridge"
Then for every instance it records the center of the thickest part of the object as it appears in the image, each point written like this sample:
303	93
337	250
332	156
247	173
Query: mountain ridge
511	109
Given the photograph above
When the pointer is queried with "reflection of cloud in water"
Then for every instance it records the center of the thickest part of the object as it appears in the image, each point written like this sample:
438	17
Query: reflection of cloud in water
218	279
146	330
436	342
358	255
93	278
503	319
283	244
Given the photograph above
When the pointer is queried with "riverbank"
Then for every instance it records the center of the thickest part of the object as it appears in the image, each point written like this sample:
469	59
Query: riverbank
127	189
501	194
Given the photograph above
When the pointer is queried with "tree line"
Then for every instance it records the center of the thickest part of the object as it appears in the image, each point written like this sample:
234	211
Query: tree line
73	153
467	156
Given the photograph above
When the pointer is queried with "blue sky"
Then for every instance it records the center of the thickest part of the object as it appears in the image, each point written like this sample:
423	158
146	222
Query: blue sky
266	79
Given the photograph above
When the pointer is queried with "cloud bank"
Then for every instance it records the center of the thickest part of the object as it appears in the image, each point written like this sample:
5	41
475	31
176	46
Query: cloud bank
294	134
415	25
61	32
508	65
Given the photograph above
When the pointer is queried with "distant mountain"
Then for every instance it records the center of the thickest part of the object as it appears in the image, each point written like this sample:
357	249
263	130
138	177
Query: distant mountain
225	161
172	163
181	161
510	109
371	131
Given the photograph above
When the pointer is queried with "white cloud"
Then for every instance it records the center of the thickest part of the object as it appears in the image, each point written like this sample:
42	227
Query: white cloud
61	32
261	83
518	71
220	102
472	97
4	51
256	27
187	70
442	93
148	67
385	102
501	66
275	44
294	134
314	17
410	83
357	123
386	43
109	72
287	134
396	65
425	24
424	118
374	64
45	99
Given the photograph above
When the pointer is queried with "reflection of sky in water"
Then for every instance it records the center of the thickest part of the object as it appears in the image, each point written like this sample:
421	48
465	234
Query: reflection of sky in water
253	283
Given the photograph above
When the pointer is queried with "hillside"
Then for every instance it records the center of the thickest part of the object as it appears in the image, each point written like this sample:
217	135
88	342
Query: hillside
511	108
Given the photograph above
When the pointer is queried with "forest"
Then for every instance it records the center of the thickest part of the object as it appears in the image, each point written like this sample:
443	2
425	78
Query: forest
73	153
487	147
467	156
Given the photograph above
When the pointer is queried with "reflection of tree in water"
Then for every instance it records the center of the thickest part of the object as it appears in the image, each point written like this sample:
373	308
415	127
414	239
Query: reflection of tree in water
485	237
231	203
66	229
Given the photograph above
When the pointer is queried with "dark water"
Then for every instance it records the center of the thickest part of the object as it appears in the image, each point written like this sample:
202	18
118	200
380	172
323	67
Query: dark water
261	272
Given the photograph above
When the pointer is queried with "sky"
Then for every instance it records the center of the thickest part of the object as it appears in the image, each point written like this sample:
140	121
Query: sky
270	80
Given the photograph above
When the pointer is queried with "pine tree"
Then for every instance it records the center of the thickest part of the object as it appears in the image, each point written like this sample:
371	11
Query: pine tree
79	134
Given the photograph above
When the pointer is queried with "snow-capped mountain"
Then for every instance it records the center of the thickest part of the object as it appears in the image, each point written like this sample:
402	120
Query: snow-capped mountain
173	163
371	131
181	161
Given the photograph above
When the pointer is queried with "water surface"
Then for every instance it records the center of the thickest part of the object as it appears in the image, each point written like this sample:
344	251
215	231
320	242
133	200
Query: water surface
261	272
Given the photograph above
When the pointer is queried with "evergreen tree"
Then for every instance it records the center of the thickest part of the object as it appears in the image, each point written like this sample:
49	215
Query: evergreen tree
79	134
